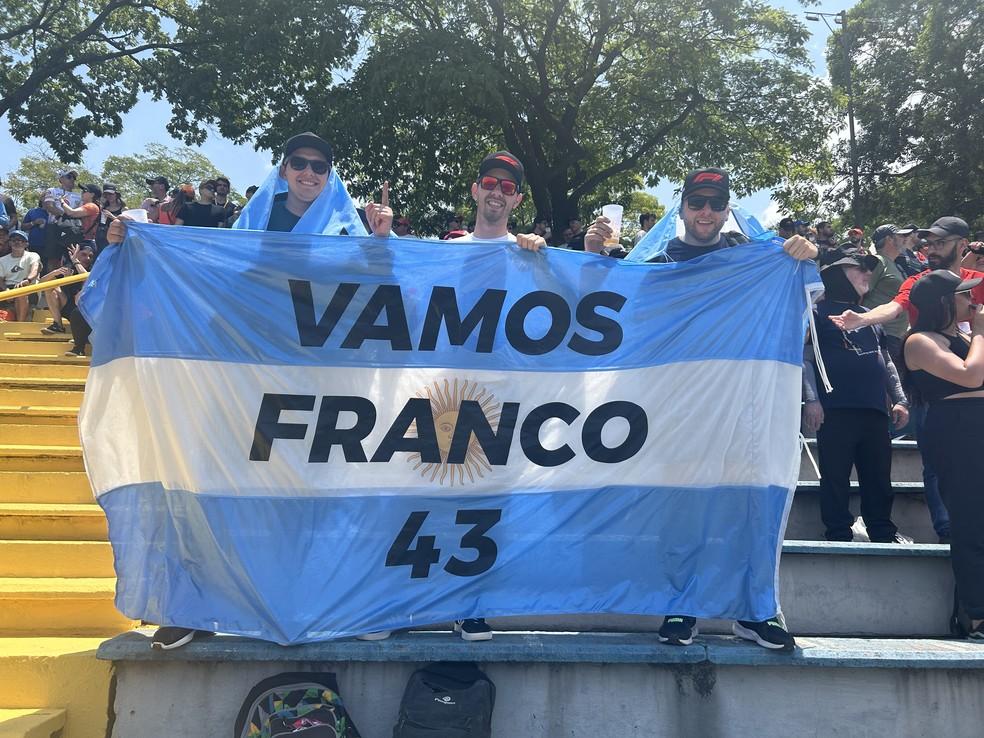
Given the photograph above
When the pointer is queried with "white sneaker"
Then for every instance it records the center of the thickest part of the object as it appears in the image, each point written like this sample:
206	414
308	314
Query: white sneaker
379	635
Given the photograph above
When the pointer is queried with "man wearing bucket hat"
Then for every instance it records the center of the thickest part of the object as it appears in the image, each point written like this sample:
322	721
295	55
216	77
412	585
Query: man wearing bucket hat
852	422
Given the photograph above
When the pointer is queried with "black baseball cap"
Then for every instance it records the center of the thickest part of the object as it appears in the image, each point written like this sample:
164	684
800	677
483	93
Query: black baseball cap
927	290
503	160
311	141
884	231
95	189
159	180
109	187
843	256
946	226
716	179
909	228
787	223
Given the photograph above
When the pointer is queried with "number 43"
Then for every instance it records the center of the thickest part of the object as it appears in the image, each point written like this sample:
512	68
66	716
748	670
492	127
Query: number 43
424	555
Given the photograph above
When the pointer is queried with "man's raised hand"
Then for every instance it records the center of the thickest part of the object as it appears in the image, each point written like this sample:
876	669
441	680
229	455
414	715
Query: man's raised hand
800	248
380	216
599	232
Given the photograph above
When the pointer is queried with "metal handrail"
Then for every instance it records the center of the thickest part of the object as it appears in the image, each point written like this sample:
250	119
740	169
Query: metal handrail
42	286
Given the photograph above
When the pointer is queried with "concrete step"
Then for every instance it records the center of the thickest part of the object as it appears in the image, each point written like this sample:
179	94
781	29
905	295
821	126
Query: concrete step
34	335
906	462
52	522
40	458
56	347
44	371
45	487
59	606
570	683
57	358
60	559
31	723
58	671
28	398
39	415
44	384
38	435
909	512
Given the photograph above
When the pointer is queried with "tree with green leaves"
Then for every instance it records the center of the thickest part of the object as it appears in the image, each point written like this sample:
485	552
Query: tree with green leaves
918	77
69	70
590	95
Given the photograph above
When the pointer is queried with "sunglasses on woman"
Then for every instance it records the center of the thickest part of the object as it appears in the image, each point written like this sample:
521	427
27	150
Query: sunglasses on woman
488	182
300	163
697	202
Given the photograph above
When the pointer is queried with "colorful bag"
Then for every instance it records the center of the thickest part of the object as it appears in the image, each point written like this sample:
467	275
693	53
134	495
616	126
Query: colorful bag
302	704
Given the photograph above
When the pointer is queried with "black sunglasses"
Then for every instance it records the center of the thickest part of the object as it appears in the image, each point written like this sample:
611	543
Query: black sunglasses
300	163
697	202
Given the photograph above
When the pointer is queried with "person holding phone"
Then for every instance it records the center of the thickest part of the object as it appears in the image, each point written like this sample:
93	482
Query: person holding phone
946	369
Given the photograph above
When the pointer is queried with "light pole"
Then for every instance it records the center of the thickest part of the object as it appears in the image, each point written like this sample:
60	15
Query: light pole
841	20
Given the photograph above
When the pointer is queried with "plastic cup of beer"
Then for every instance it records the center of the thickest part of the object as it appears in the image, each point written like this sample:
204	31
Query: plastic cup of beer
136	214
614	215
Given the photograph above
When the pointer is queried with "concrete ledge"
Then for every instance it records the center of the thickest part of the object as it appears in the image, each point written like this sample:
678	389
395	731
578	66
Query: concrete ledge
917	551
559	648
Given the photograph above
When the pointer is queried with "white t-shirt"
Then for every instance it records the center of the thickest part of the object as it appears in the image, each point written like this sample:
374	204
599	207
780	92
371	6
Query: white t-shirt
14	270
55	194
471	237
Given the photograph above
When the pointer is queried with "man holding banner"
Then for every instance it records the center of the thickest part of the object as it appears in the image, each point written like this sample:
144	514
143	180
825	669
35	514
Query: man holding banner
704	211
377	434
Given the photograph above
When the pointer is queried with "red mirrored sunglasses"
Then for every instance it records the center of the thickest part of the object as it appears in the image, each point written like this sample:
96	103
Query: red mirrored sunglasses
488	182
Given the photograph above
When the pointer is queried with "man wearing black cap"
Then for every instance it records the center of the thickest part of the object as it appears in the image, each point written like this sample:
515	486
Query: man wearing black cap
704	211
908	240
19	268
159	188
852	421
886	279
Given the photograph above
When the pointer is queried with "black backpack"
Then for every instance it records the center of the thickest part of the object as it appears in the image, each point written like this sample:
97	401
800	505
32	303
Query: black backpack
447	700
302	704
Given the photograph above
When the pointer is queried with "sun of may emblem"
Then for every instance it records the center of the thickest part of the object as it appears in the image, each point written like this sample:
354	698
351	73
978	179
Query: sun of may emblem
446	398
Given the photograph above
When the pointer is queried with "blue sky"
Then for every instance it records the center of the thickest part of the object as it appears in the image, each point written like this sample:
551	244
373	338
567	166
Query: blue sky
245	166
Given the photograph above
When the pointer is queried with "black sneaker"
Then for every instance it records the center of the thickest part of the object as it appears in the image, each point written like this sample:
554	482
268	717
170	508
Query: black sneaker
897	538
168	637
678	630
768	634
473	629
976	634
50	330
76	354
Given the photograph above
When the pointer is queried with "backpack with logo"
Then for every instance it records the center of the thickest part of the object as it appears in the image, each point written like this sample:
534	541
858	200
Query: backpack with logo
302	704
447	699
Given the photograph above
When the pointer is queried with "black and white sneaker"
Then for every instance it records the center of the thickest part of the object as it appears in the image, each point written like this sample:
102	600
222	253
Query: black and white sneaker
76	354
168	637
678	630
768	634
976	634
473	629
50	330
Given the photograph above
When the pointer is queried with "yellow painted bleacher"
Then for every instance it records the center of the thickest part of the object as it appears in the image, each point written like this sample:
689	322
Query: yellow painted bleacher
56	565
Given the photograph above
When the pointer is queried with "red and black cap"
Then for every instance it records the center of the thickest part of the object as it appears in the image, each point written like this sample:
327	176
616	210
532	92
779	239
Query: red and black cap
716	179
946	226
503	160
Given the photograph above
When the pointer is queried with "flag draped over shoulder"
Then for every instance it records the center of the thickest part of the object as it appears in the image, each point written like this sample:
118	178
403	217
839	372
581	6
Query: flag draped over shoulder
333	211
301	437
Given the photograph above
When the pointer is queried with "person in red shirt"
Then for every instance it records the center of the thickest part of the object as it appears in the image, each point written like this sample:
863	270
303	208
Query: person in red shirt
946	241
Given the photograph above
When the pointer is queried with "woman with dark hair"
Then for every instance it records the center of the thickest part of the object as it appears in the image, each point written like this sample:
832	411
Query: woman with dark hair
180	196
946	369
112	206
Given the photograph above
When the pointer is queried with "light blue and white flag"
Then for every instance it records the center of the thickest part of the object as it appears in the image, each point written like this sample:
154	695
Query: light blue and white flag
301	437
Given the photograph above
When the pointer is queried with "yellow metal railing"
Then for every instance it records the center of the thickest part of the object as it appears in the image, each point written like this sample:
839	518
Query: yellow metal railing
42	286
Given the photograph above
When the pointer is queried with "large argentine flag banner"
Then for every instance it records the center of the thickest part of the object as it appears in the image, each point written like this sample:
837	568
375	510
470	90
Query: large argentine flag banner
301	437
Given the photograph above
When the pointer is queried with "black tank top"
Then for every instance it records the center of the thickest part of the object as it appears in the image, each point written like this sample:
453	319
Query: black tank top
933	388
